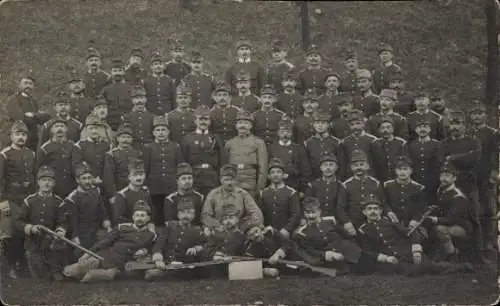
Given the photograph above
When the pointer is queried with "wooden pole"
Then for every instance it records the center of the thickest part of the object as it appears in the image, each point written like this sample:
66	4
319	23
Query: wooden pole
304	22
492	62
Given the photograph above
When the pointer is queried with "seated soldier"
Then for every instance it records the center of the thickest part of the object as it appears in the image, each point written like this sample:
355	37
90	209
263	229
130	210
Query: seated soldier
178	242
124	243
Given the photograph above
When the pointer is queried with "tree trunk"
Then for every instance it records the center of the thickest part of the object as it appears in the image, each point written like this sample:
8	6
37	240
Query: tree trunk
304	18
492	64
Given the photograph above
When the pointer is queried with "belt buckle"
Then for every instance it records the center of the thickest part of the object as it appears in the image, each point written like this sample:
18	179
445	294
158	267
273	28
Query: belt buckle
205	166
241	166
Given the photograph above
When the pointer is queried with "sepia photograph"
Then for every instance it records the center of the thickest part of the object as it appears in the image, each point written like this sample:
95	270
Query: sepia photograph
245	152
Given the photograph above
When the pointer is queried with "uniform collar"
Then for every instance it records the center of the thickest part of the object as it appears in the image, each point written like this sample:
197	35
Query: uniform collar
244	60
367	93
425	139
279	186
285	144
329	180
248	93
200	132
90	71
449	188
387	64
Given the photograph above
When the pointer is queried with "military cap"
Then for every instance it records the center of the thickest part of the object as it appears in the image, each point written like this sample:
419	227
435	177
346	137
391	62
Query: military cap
58	119
285	123
385	119
313	49
184	169
327	157
136	165
142	205
243	75
436	93
291	74
124	129
477	107
202	111
185	203
278	46
61	97
457	116
177	45
82	168
230	210
311	94
364	74
137	91
345	98
356	115
322	117
243	43
19	126
28	74
117	63
184	89
92	52
244	115
370	199
137	52
75	76
156	57
389	93
358	155
99	100
449	168
350	54
422	93
422	121
311	204
268	89
46	171
160	120
276	162
384	47
222	86
196	56
228	170
331	73
93	120
403	161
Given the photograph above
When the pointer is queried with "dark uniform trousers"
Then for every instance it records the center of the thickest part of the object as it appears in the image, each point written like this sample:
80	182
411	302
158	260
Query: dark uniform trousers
161	160
290	104
117	95
266	124
160	93
280	207
294	157
203	151
230	243
181	123
426	159
142	127
317	146
249	103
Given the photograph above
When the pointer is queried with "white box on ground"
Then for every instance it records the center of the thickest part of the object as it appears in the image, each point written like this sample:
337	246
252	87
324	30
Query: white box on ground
245	270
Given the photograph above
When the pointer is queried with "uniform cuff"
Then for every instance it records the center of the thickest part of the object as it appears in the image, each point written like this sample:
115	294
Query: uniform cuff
416	248
27	229
157	257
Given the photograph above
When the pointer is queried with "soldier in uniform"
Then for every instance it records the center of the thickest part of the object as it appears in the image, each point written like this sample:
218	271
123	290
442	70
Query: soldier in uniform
348	82
366	100
386	150
17	181
249	154
201	82
230	197
245	62
181	119
245	98
124	243
117	95
405	103
388	99
421	112
139	119
490	142
279	66
438	102
23	106
116	161
303	127
340	126
387	68
184	191
161	159
203	150
293	156
223	114
280	203
62	155
62	108
321	142
180	241
134	73
160	90
94	78
289	100
314	75
177	68
80	104
43	208
267	118
329	100
99	112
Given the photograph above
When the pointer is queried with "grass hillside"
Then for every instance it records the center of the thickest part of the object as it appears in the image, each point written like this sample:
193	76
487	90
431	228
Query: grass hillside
435	46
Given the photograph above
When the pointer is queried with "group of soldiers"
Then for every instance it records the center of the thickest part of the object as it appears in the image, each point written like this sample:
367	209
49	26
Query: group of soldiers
339	169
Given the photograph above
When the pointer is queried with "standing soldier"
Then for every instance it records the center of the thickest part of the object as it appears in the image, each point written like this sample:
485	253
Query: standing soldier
267	118
181	119
139	119
223	114
94	78
80	104
340	126
62	109
387	68
365	99
23	106
159	87
62	155
289	100
388	99
405	103
17	181
201	83
490	141
117	95
134	73
279	66
99	111
303	128
245	62
161	159
177	68
314	75
329	101
439	105
249	154
203	150
423	112
244	97
348	83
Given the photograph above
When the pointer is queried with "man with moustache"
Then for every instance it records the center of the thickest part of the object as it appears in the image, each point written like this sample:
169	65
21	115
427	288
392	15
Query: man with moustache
223	114
177	68
314	75
81	105
134	73
160	90
202	83
94	78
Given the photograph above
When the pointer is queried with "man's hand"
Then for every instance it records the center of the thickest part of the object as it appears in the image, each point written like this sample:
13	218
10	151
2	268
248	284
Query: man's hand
61	232
332	255
279	254
393	217
151	228
76	240
176	263
207	232
433	219
268	229
191	251
350	229
413	224
140	253
36	229
107	225
417	258
285	233
29	114
391	260
160	265
84	257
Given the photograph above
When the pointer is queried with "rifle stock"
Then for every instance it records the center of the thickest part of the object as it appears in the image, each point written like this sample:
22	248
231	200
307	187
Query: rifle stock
322	270
424	216
139	266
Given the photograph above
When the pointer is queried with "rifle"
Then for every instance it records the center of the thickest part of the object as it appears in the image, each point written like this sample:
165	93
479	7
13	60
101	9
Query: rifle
55	235
424	216
138	266
322	270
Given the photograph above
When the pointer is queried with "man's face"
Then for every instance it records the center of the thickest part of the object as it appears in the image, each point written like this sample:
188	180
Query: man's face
422	103
62	109
183	100
140	218
230	222
157	67
308	106
320	126
202	122
386	129
93	131
185	181
313	59
289	83
19	138
312	215
77	86
243	85
186	216
478	117
345	107
437	102
243	52
404	172
139	102
161	132
117	72
222	98
256	234
59	129
227	181
278	56
85	181
372	212
267	100
332	83
446	179
93	63
101	111
124	140
137	177
356	126
177	55
243	126
385	56
386	103
351	64
328	168
423	130
457	128
285	134
26	85
360	168
197	66
395	84
276	175
135	61
46	184
363	84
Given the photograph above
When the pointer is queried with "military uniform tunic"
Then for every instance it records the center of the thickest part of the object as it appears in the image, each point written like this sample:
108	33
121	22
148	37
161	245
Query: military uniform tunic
426	160
95	82
266	124
303	128
160	162
382	75
175	239
17	169
408	201
177	71
257	75
124	200
328	103
385	154
280	207
312	78
181	123
135	76
172	200
275	72
160	93
363	142
434	119
400	125
290	104
116	164
250	103
369	103
202	86
317	146
330	194
141	123
117	95
93	153
81	106
223	121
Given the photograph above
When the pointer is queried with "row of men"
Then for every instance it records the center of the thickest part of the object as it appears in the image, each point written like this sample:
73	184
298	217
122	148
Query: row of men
231	223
